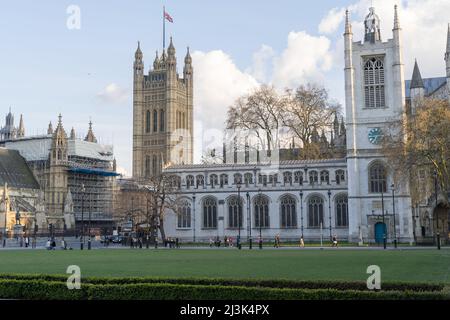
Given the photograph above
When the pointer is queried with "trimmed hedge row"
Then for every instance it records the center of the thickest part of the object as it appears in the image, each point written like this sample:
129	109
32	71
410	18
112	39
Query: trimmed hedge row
284	284
44	290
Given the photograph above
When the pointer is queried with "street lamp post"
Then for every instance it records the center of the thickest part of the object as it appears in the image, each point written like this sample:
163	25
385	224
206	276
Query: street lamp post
193	216
249	221
89	223
393	212
239	215
301	211
260	219
438	236
329	212
384	223
82	217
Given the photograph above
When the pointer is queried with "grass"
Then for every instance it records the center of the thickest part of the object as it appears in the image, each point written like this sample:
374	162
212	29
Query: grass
400	265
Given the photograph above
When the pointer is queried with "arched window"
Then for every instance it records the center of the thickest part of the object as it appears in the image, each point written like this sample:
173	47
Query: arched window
210	213
341	211
234	212
59	155
248	178
313	177
147	166
214	180
147	121
287	178
273	179
261	212
340	176
237	178
189	181
155	121
184	214
374	83
315	212
262	179
200	180
162	119
324	177
377	178
288	212
223	180
298	177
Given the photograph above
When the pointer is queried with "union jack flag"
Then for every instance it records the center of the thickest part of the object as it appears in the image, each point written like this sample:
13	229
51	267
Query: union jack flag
167	16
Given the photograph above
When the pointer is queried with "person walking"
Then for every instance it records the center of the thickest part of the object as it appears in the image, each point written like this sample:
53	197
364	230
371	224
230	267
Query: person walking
302	242
335	243
48	245
277	241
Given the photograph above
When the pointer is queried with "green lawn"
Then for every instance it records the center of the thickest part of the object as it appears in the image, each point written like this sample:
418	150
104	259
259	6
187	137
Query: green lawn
401	265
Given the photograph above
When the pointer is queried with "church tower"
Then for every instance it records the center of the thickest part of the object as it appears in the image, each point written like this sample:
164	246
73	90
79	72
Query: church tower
162	114
57	177
375	98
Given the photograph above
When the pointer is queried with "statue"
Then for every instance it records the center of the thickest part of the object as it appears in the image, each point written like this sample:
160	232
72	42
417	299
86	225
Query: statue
17	216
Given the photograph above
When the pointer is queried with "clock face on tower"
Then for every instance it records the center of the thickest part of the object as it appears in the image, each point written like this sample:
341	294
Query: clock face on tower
375	135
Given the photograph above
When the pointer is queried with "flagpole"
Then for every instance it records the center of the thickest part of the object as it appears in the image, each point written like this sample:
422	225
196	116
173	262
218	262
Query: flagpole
164	28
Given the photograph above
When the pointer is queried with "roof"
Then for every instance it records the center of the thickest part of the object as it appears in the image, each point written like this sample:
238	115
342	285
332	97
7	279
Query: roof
430	84
15	172
38	148
416	81
313	162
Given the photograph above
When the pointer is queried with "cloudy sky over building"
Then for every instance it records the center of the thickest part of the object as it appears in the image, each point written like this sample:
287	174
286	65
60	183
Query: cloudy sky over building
85	73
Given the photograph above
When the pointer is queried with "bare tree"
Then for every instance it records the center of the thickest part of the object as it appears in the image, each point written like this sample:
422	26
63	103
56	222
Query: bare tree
308	111
420	145
260	113
163	197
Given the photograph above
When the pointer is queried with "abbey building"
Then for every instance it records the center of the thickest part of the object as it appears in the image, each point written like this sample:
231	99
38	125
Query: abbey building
352	195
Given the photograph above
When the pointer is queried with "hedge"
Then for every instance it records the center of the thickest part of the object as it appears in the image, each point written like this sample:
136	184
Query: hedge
281	283
51	290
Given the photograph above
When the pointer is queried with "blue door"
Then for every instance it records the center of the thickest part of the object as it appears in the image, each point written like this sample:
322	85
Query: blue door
380	230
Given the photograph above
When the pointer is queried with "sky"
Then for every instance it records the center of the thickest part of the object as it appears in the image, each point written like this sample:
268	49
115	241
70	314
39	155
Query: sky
76	57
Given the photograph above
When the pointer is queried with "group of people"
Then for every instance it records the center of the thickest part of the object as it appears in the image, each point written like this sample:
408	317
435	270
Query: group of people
227	242
172	243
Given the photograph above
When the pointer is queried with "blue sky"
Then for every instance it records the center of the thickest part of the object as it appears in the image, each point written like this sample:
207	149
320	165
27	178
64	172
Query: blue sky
47	69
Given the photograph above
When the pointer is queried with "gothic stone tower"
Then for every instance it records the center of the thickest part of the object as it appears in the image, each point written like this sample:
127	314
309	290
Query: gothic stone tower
375	97
162	114
57	177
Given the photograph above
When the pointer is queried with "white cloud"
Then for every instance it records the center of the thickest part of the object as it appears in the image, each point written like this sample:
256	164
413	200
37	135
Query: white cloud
305	59
330	23
113	94
217	84
262	63
122	171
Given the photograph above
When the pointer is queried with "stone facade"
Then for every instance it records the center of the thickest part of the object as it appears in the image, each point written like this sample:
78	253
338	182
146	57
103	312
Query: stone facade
162	114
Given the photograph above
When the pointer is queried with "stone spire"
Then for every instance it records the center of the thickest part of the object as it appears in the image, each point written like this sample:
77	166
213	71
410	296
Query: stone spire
138	63
416	81
72	134
396	19
342	131
171	49
372	27
21	130
348	25
156	61
90	135
336	125
50	128
59	143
